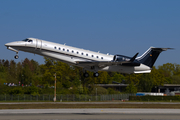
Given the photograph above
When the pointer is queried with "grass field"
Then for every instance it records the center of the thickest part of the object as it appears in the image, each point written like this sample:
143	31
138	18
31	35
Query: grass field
56	106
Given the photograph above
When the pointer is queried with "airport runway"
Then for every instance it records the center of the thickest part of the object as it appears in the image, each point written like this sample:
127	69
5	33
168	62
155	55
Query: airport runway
90	114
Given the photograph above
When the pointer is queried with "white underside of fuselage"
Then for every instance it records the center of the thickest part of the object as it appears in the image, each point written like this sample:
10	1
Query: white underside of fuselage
128	69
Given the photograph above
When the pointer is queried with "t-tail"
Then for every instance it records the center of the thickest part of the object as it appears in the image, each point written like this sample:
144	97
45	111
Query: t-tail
150	56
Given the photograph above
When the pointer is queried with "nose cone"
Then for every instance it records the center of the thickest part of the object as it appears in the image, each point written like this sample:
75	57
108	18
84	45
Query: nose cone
11	44
8	44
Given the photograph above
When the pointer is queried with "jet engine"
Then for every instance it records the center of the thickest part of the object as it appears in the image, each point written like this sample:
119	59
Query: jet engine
121	58
126	61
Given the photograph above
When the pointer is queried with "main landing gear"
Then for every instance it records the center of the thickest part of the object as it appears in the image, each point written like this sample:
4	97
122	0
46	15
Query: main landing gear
96	74
16	56
86	75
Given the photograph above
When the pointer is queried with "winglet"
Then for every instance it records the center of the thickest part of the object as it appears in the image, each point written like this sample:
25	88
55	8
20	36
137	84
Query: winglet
134	57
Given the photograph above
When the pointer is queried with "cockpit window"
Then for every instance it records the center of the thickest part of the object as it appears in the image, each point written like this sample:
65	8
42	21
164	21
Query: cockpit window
25	40
30	41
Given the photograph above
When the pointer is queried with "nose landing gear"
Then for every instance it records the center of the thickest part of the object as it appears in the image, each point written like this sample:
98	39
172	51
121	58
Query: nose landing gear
16	56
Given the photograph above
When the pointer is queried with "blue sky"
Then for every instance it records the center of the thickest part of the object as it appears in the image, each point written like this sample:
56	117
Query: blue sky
109	26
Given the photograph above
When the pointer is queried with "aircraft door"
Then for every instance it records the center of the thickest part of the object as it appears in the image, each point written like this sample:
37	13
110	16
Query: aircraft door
38	44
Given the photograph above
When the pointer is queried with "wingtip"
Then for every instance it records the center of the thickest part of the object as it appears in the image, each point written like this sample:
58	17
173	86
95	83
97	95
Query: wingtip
171	48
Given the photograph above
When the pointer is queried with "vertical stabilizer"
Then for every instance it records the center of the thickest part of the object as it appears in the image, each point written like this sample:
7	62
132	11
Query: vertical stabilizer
150	56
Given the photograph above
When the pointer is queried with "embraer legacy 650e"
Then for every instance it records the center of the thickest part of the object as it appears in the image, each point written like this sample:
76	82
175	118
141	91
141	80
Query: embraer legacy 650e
88	60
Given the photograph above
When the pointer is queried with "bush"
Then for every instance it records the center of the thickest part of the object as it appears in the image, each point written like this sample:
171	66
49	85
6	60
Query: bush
154	98
33	90
131	88
16	90
112	91
4	89
100	91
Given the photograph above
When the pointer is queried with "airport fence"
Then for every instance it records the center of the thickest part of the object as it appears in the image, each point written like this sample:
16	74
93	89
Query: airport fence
65	98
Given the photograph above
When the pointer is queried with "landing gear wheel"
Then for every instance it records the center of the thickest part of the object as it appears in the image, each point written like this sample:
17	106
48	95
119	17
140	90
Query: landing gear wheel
96	74
86	74
16	56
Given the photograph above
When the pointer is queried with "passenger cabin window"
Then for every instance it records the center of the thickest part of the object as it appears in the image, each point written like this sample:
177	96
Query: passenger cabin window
72	51
92	55
77	52
97	57
67	50
81	53
54	47
101	57
63	49
86	54
59	48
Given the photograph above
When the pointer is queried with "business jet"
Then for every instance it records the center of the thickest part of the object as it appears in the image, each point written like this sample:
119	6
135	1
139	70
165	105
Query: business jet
88	60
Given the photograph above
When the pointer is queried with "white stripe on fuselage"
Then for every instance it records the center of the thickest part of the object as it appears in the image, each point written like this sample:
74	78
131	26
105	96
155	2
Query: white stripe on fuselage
143	55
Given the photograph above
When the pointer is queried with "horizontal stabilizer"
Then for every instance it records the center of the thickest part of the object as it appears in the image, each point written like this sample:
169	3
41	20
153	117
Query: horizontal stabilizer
161	49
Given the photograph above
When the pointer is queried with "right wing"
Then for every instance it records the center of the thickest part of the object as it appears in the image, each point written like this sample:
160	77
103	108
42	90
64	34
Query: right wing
102	64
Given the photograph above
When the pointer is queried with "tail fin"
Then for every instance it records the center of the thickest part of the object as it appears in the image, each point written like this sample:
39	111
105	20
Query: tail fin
150	56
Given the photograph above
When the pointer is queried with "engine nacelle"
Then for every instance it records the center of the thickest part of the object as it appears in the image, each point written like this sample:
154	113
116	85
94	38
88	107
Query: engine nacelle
121	58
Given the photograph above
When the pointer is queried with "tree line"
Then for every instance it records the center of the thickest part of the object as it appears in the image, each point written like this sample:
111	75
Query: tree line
30	77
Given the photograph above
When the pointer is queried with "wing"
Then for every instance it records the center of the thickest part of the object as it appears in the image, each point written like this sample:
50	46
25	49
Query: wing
102	64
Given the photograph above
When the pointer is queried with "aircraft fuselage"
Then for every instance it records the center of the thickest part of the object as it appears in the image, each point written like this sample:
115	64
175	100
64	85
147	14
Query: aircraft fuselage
89	60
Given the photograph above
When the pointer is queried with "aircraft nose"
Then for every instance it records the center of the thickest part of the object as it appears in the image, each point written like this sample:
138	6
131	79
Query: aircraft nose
11	44
7	44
